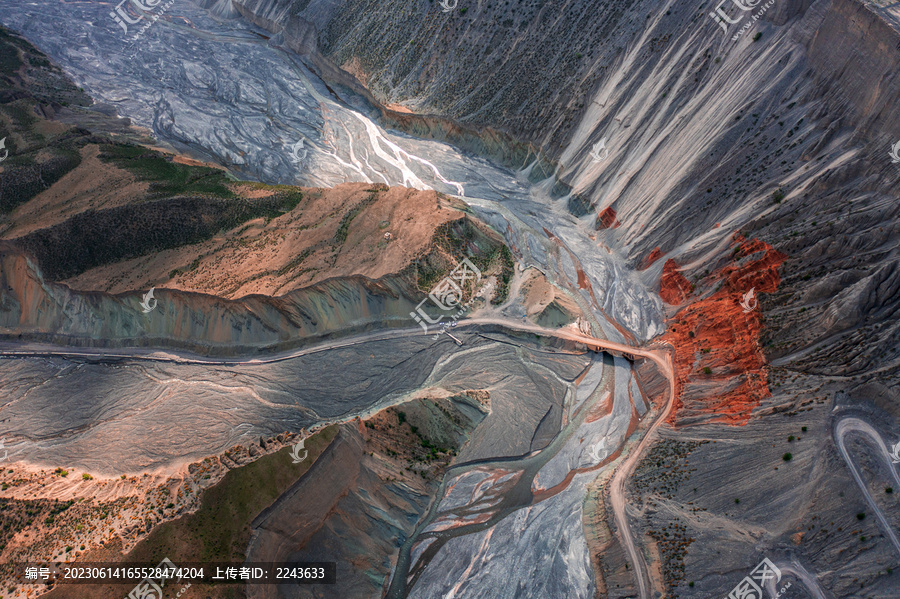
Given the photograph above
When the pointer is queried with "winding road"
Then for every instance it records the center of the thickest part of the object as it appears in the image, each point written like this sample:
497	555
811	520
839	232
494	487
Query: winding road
796	569
661	356
850	424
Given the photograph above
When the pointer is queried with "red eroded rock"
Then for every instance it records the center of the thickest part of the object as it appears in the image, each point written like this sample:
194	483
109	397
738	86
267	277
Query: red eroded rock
720	367
652	257
674	289
607	219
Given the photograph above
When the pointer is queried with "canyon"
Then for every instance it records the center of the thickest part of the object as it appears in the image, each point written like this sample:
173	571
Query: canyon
678	357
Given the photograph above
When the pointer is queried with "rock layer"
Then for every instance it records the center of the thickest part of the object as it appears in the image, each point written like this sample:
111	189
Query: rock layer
721	369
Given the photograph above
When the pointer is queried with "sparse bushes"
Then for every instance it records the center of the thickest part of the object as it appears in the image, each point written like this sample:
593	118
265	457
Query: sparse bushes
506	271
28	177
340	236
95	238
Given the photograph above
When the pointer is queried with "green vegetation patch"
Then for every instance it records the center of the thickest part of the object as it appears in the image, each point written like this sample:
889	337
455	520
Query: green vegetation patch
9	56
29	82
28	178
464	238
340	236
220	529
167	178
196	204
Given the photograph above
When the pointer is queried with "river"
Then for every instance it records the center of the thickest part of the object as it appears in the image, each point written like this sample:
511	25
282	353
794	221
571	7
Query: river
219	90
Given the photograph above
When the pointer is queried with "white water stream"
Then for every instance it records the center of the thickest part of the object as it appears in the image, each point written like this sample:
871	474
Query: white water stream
216	89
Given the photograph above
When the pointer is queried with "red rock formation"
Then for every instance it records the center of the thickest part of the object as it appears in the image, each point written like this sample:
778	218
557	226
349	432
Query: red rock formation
652	257
719	364
607	219
674	289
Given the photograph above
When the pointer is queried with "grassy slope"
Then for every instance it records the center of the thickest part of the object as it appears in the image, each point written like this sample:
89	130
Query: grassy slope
218	531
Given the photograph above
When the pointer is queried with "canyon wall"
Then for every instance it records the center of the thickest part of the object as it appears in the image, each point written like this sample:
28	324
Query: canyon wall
35	310
778	128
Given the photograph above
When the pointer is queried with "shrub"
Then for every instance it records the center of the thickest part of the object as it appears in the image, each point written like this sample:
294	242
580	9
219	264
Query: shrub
707	370
86	476
787	457
778	195
757	36
861	516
